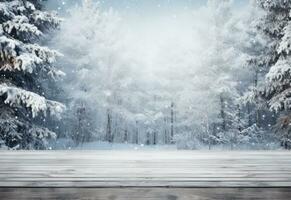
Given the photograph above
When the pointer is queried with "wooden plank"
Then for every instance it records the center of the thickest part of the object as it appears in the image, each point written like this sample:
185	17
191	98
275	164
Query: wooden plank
145	169
145	193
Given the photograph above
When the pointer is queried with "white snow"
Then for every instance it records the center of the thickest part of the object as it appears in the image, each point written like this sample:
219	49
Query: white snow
38	104
22	26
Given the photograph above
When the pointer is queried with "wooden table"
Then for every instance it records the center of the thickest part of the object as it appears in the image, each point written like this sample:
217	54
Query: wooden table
134	175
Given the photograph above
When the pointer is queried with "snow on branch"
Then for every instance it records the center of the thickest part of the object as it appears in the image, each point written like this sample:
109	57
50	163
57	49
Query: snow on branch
285	45
14	55
249	96
41	133
281	101
12	127
12	61
45	20
15	7
271	4
41	20
36	103
5	11
279	70
21	27
44	53
56	74
55	108
278	75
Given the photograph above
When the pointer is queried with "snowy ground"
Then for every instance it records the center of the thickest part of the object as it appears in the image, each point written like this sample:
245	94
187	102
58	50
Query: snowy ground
98	145
117	146
66	144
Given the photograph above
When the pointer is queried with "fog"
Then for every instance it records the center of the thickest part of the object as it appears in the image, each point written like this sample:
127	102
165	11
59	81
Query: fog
152	73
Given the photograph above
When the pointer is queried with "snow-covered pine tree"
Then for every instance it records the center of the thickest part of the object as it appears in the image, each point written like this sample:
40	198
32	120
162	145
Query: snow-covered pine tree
100	74
254	47
24	63
223	67
276	25
254	66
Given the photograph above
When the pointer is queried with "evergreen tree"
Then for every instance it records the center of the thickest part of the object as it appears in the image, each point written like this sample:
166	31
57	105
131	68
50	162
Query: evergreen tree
99	73
223	67
276	26
24	64
254	111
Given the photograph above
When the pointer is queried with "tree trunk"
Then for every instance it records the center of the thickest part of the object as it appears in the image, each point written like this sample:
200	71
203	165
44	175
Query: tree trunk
108	136
148	139
239	118
257	98
208	133
136	133
155	138
249	115
125	139
222	114
165	131
172	124
80	137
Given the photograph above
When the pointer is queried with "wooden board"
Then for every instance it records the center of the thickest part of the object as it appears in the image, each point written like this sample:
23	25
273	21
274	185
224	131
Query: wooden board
145	193
169	175
144	169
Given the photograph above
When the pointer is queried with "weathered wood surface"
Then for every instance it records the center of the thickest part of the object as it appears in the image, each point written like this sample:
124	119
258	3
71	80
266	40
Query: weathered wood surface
150	175
113	169
145	193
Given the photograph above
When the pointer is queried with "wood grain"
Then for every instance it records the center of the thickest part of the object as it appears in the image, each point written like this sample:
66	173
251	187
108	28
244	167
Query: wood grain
176	169
145	193
145	175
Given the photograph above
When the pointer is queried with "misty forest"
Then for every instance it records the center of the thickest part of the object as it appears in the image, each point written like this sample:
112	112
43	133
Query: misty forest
171	74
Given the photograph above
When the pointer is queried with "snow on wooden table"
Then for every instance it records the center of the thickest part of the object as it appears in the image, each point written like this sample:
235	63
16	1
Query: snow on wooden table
233	172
